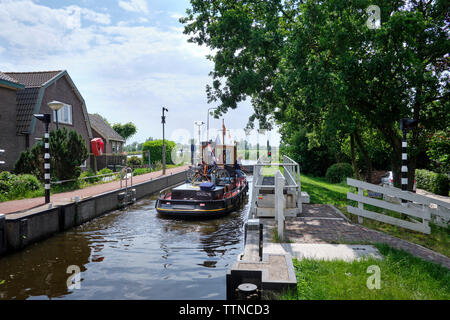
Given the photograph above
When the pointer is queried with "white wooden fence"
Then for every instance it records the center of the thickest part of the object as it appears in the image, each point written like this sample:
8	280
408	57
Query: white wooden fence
420	208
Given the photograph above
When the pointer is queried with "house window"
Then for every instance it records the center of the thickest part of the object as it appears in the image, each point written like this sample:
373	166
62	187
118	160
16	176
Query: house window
118	147
64	114
113	147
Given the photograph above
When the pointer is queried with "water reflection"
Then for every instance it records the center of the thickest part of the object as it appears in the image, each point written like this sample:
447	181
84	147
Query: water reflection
132	254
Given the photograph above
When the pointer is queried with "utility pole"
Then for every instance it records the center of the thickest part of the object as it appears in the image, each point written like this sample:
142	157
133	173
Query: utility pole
200	151
207	124
163	121
247	133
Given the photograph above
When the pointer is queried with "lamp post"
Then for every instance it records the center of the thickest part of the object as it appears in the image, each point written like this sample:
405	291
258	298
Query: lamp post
163	121
260	131
207	124
405	124
247	133
46	119
55	106
199	125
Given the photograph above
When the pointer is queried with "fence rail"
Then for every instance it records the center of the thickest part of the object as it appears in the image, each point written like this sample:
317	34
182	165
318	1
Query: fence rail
421	208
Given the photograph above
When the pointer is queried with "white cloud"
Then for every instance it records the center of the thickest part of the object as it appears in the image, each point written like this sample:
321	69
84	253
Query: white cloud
124	71
134	5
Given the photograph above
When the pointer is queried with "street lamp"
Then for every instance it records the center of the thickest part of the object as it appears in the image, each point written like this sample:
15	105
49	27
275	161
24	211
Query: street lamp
260	131
46	119
199	125
55	106
207	124
247	133
163	121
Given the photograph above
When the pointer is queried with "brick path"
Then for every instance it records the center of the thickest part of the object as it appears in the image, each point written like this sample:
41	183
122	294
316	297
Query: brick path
26	204
319	223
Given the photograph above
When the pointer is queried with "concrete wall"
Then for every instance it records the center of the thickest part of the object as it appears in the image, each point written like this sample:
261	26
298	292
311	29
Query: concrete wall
22	230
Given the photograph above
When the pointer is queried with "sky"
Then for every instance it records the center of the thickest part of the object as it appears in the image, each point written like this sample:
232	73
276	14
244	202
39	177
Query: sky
128	58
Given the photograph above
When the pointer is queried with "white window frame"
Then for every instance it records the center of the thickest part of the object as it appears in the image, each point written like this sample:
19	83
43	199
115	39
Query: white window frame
61	112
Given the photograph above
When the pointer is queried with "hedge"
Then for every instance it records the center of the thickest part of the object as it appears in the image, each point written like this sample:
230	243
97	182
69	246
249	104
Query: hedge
433	182
155	148
338	172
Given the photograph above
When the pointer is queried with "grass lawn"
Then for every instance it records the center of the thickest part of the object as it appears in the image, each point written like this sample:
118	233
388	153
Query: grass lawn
402	276
321	191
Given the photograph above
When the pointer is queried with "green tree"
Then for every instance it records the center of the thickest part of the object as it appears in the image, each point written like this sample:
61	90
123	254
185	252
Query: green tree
126	130
314	61
68	151
439	150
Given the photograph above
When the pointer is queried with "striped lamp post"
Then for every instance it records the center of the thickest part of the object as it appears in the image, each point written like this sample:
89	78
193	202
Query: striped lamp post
46	119
405	124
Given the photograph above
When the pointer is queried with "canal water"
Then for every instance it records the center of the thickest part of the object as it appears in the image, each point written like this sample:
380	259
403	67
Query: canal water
129	254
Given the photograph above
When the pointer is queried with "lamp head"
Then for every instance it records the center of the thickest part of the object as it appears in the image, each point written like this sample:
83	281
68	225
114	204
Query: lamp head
406	123
55	105
45	117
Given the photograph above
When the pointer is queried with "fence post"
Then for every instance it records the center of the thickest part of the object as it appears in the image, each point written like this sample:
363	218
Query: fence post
360	204
279	203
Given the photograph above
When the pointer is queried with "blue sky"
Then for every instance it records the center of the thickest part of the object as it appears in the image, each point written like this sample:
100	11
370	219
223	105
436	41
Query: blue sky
128	58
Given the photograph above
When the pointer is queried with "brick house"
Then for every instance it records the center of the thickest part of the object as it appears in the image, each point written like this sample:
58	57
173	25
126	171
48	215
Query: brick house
23	94
113	143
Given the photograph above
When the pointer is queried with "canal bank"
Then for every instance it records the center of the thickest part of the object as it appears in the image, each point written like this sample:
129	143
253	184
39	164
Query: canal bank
129	254
18	230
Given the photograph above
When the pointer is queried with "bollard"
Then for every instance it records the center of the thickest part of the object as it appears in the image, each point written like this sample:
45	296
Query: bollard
2	233
247	291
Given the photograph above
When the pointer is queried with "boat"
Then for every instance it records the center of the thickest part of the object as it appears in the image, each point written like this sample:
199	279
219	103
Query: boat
210	190
205	199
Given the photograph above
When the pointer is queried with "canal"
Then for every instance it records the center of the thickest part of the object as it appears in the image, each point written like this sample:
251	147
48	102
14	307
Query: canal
129	254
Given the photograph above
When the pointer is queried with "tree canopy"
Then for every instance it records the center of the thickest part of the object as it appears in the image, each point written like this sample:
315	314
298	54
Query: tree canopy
318	67
126	130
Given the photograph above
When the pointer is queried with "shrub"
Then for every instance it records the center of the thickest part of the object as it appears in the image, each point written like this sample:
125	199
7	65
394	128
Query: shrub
22	184
134	161
433	182
155	148
89	173
6	182
338	172
105	171
139	171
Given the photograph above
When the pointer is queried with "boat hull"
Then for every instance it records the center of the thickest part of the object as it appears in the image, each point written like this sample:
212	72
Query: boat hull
201	208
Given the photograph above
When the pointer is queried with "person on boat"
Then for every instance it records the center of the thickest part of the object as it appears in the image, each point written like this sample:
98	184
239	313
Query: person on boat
238	168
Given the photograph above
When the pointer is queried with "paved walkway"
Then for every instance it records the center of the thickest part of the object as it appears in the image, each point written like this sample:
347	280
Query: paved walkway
432	195
320	223
26	204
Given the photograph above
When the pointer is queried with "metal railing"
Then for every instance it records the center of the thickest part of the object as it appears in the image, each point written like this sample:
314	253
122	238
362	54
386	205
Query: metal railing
86	178
291	174
126	174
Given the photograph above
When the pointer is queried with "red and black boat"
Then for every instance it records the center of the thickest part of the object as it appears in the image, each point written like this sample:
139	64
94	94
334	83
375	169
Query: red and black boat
209	191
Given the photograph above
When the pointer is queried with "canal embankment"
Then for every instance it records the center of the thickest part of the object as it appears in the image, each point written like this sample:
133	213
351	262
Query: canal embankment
20	229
